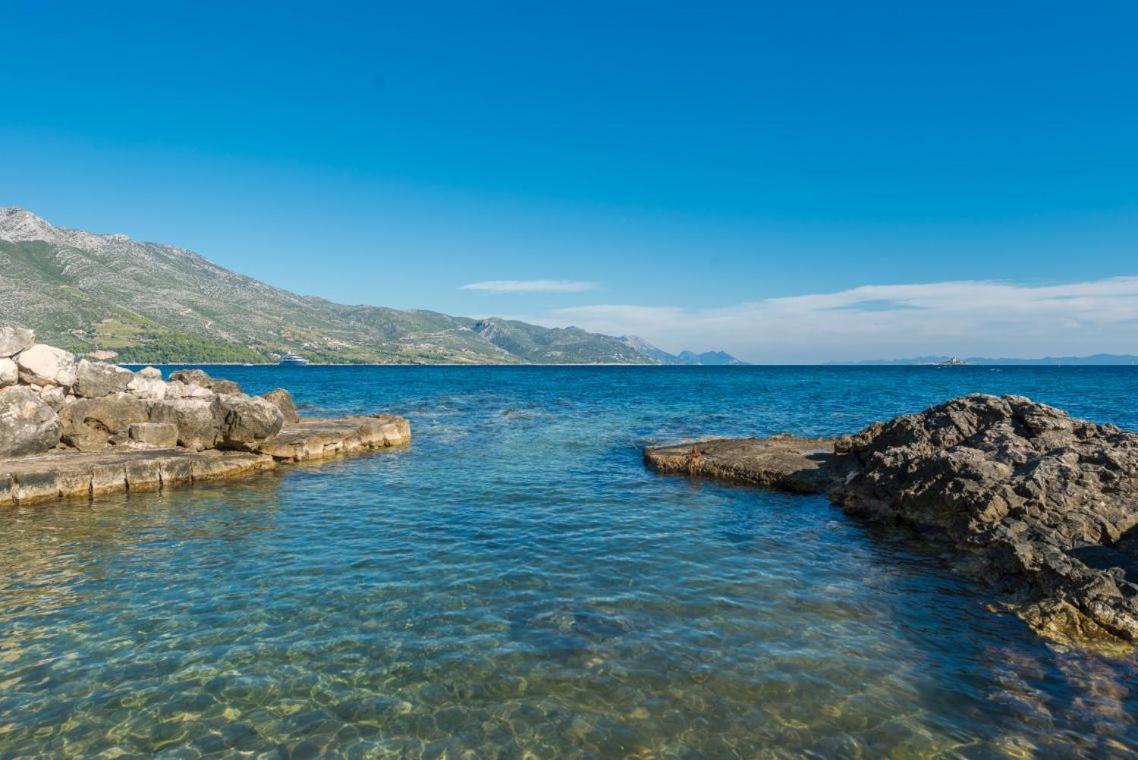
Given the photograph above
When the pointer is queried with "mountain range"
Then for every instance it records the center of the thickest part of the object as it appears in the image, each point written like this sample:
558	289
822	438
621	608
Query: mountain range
113	297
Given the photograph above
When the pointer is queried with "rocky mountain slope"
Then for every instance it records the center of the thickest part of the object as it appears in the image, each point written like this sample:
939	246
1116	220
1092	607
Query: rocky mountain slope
147	302
683	358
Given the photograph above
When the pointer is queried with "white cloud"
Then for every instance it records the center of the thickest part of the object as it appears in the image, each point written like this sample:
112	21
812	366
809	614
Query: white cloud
967	318
530	286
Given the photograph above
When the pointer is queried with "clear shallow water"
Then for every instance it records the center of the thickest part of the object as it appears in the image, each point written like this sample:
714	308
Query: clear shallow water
517	584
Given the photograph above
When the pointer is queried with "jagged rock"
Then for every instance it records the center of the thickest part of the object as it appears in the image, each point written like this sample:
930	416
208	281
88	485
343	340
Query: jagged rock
46	365
27	424
1036	495
98	379
9	372
179	389
198	420
282	399
13	340
1041	504
159	435
148	384
92	424
199	377
248	419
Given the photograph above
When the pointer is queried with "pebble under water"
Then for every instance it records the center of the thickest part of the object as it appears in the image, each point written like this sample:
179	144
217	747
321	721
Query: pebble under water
517	584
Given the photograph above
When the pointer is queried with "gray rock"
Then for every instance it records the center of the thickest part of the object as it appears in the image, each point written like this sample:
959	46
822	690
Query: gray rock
27	424
9	372
13	340
93	424
179	389
46	365
246	420
147	384
199	377
53	395
98	379
198	420
159	435
282	399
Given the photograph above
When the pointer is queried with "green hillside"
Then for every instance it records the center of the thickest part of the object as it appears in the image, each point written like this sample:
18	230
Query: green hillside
148	302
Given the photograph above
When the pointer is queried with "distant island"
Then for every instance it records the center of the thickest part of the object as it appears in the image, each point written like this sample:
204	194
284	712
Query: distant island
1114	360
113	298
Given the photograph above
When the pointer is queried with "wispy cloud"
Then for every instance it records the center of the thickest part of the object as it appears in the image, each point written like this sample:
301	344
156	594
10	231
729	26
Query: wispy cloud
968	318
530	286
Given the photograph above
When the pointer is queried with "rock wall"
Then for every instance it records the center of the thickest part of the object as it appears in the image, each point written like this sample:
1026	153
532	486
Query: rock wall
49	399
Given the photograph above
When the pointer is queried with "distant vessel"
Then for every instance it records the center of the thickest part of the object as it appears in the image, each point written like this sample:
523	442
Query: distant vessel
955	361
292	360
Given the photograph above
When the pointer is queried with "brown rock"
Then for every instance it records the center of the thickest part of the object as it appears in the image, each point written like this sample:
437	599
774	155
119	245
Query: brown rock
93	424
282	399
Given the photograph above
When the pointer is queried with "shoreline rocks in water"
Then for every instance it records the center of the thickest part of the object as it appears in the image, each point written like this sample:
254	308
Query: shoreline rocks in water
1042	505
73	427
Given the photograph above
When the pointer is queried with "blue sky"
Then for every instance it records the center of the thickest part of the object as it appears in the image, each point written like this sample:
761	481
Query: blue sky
675	170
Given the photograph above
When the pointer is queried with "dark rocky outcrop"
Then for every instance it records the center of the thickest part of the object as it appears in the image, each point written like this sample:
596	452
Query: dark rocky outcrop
282	399
1043	505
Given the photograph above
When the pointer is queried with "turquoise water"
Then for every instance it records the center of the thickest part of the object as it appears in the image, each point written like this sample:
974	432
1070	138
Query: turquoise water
516	584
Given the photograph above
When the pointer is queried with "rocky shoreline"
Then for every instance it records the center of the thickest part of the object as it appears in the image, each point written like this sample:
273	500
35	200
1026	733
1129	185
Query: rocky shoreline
1043	506
76	428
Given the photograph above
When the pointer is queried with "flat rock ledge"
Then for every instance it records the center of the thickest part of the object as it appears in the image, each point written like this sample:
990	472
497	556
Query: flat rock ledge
65	473
1042	506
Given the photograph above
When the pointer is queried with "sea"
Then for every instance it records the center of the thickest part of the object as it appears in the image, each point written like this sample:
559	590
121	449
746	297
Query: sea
516	584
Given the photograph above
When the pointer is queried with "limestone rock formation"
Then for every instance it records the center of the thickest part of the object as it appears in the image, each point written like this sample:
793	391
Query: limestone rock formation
9	372
200	377
46	365
198	420
246	420
13	340
159	435
98	379
27	424
282	399
92	424
148	384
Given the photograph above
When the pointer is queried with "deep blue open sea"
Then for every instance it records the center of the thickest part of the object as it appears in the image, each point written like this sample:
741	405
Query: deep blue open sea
516	584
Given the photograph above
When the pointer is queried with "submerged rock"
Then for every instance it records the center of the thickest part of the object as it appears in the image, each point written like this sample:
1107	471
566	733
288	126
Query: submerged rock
27	424
1043	505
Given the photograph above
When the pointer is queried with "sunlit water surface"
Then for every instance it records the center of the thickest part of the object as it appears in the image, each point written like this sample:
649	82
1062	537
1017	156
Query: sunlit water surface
517	584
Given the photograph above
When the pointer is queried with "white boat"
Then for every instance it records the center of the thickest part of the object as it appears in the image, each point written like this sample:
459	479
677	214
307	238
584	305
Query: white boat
955	361
292	360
